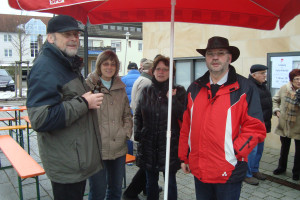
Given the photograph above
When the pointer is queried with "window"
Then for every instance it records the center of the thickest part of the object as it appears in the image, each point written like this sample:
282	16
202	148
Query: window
33	46
7	38
105	27
140	46
119	28
126	28
188	70
116	44
8	52
112	27
93	65
138	29
129	44
132	29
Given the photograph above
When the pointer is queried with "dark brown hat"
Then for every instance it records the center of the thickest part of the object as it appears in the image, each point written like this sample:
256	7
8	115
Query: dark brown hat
221	43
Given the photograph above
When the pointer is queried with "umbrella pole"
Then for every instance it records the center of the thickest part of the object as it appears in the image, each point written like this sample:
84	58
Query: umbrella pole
86	50
173	3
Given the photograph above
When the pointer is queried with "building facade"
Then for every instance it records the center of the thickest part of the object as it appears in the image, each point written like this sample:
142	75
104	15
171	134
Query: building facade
21	37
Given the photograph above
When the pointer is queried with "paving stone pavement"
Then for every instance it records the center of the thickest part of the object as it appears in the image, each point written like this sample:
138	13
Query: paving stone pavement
274	188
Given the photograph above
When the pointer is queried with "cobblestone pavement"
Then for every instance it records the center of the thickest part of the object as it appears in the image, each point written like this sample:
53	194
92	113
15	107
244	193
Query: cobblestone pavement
275	187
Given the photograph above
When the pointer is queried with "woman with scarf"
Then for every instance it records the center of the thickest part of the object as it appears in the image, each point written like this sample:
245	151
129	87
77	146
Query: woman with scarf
286	106
150	128
115	124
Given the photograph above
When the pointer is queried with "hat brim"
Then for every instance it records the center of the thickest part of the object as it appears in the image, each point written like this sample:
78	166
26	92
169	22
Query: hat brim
69	29
235	52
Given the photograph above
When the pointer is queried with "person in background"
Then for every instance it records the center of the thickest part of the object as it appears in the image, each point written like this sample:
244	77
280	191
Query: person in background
258	74
150	126
143	81
138	183
286	106
62	111
115	124
141	64
129	80
222	123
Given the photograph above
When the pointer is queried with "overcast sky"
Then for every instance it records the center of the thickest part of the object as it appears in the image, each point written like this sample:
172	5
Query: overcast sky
6	9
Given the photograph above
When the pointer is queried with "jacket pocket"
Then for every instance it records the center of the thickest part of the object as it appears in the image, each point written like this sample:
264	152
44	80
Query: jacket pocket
247	142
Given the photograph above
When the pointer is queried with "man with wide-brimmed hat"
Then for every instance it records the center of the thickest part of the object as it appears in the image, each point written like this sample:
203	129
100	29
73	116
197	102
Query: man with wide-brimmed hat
222	123
62	111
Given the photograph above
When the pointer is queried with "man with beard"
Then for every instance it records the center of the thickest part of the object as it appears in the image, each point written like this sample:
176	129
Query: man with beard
222	123
62	111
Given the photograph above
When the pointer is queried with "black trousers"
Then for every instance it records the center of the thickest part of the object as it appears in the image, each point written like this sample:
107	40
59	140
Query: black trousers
70	191
137	185
284	152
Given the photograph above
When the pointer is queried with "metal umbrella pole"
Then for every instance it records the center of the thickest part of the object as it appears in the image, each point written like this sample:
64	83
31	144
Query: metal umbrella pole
167	165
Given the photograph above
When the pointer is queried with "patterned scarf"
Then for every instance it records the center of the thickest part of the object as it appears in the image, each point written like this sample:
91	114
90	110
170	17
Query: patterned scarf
291	106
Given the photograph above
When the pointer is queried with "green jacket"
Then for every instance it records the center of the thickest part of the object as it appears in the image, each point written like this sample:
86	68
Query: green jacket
67	131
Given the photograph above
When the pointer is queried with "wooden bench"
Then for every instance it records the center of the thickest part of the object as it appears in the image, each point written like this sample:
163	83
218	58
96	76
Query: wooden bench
19	133
8	121
26	118
129	159
22	162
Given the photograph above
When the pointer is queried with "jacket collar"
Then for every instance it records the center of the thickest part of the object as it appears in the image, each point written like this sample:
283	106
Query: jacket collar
232	77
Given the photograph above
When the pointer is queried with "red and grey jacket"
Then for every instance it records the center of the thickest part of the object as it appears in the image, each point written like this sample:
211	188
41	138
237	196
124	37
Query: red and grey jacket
218	133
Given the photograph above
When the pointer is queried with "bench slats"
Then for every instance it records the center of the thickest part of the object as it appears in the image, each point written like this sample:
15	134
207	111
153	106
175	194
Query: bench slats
26	118
129	158
8	119
23	163
3	128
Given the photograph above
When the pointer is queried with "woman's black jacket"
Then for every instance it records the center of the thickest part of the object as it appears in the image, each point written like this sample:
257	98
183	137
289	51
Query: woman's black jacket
150	126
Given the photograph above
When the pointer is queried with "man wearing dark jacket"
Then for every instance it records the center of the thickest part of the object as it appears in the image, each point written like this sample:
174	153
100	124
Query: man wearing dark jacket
62	111
258	74
222	123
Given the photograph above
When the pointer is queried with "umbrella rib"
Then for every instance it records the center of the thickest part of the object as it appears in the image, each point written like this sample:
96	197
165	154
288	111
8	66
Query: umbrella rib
104	1
265	8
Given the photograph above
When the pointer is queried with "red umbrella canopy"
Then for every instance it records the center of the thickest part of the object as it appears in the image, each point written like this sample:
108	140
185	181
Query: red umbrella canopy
258	14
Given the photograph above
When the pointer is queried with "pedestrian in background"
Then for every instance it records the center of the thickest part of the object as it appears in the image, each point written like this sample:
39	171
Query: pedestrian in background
150	128
286	106
115	124
258	75
129	80
222	123
62	110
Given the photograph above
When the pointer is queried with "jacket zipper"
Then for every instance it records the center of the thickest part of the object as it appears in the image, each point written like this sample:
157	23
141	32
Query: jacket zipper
250	138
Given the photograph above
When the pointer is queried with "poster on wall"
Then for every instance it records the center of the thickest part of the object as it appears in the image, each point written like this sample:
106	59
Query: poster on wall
281	67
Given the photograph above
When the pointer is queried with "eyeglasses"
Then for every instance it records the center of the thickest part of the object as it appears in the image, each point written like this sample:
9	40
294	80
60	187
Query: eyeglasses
213	54
296	79
107	64
162	69
69	34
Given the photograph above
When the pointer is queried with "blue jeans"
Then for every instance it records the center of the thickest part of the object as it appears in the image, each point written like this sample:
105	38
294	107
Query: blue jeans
217	191
152	185
254	159
108	181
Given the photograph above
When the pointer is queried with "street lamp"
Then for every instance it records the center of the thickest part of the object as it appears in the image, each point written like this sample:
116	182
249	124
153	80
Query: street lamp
127	34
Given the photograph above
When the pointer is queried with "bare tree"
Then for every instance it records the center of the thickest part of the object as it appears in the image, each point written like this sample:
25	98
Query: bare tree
19	41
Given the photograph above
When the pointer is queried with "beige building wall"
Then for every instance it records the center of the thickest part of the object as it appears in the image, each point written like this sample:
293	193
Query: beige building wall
253	44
